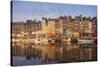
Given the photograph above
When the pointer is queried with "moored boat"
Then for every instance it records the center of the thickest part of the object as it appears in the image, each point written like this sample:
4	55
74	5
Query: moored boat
85	40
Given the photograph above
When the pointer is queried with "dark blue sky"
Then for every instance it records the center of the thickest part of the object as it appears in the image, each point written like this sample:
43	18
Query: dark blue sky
23	10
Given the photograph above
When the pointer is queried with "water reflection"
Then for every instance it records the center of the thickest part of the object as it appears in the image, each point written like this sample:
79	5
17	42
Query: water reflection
53	53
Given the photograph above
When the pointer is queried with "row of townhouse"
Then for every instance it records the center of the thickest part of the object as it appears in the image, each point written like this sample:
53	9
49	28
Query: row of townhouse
64	26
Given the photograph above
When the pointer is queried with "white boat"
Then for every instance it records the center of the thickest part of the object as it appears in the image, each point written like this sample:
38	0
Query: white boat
45	41
85	40
40	41
67	40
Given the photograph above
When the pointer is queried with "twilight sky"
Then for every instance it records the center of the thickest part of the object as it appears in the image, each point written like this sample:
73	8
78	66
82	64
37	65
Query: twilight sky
23	10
